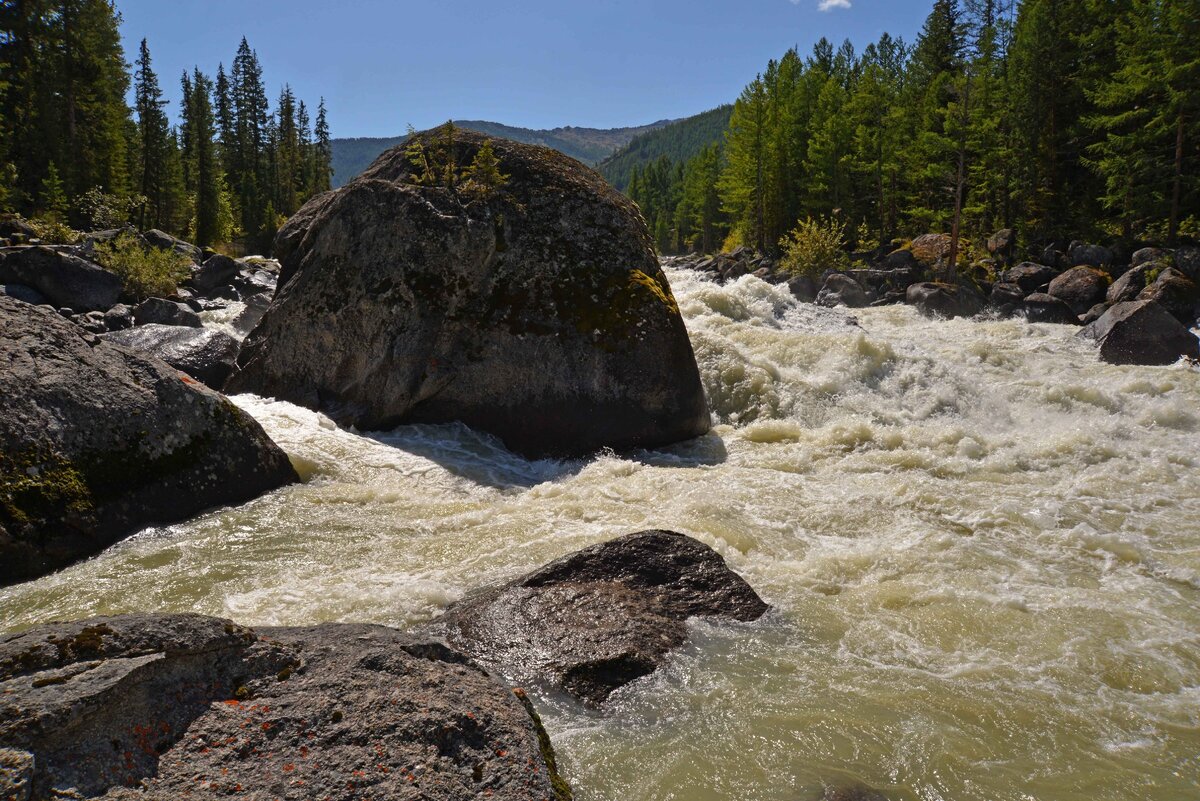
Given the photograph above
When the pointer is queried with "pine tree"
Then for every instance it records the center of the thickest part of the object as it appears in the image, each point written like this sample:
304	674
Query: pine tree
483	175
743	183
52	198
323	152
154	133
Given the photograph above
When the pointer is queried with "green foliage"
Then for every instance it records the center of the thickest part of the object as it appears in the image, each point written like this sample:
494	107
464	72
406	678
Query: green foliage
101	210
52	198
433	157
483	177
145	271
53	229
813	246
679	142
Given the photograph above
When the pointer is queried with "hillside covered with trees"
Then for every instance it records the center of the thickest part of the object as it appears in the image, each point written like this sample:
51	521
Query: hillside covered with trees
1054	119
74	152
677	142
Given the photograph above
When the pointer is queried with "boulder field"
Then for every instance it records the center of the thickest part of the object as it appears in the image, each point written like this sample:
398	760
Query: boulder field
536	311
97	441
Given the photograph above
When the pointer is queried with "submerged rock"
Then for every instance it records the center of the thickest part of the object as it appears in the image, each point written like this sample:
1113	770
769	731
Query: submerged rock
1141	332
599	618
205	354
537	312
97	442
164	707
66	280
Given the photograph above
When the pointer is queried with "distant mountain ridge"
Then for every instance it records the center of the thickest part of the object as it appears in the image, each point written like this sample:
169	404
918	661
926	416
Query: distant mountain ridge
678	141
589	145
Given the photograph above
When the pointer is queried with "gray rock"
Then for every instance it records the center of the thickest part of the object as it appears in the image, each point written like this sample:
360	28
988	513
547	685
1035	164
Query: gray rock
1043	308
1081	288
1083	254
1176	293
1152	256
97	442
538	313
1187	261
1005	294
205	354
1029	276
118	318
599	618
1000	244
1094	314
944	300
14	225
165	312
215	271
64	279
1129	285
900	260
930	249
163	707
1141	332
23	292
91	321
842	290
802	288
161	239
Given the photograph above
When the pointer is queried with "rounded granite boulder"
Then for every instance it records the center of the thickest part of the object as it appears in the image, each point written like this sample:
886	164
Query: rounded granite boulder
535	310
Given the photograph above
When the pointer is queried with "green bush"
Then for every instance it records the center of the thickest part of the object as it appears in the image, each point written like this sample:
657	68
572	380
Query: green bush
146	271
814	246
103	210
53	230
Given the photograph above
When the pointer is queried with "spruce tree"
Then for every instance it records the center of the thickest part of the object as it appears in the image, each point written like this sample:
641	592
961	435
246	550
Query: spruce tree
154	133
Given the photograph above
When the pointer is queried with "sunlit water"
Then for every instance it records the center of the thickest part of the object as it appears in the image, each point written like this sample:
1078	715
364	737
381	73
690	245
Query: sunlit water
981	545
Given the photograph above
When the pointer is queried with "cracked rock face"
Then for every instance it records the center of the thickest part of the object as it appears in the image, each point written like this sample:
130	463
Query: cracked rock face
184	706
599	618
97	442
538	313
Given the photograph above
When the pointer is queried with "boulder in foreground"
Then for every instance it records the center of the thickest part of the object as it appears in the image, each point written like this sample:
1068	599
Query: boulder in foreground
1141	332
599	618
97	442
537	312
164	707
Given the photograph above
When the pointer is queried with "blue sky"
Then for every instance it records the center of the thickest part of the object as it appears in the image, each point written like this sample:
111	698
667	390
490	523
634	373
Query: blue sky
383	64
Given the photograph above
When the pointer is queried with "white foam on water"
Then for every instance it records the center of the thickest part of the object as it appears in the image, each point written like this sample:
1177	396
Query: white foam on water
981	544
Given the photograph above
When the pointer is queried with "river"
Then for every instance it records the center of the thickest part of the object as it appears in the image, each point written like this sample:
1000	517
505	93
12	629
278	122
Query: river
981	545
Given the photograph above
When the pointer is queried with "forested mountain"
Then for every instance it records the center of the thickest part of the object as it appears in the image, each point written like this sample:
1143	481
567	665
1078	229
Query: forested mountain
1056	119
589	145
679	141
72	151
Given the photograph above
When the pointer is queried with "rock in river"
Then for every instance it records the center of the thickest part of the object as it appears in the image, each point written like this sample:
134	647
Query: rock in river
166	707
537	312
599	618
97	442
205	354
1141	332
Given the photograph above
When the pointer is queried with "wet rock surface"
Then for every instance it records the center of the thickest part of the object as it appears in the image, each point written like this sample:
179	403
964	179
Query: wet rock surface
205	354
97	442
1141	332
183	706
538	313
602	617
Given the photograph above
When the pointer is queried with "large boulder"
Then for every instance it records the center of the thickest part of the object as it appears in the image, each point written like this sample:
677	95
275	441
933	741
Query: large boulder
97	442
842	290
1176	293
1141	332
930	250
165	312
1129	285
66	280
937	299
205	354
165	707
1187	261
1030	276
25	293
1083	254
217	269
599	618
1081	288
537	311
161	239
1000	244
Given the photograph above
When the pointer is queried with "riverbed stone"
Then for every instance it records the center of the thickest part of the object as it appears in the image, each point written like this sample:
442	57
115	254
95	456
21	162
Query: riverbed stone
842	290
97	442
206	354
161	239
1081	288
160	707
938	299
537	312
602	617
1176	293
1030	276
165	312
1141	332
1041	307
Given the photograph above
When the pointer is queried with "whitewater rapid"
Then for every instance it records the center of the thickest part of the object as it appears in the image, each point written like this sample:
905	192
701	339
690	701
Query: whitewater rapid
982	547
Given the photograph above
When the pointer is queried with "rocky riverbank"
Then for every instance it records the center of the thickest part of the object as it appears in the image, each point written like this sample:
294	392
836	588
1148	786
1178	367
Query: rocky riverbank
1137	307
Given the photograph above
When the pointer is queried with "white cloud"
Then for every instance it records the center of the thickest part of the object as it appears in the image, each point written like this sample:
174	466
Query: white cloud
829	5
